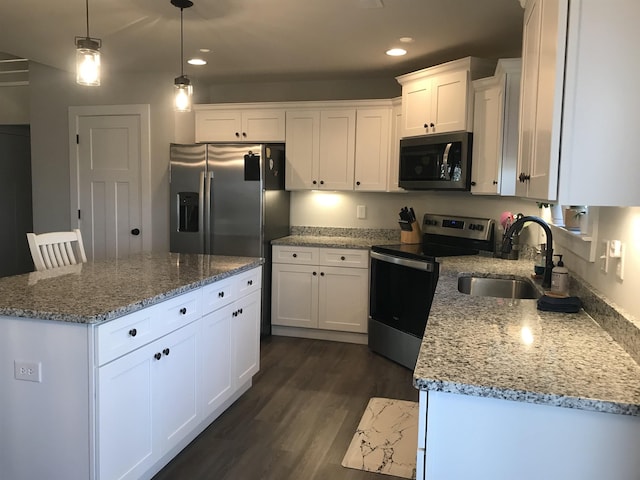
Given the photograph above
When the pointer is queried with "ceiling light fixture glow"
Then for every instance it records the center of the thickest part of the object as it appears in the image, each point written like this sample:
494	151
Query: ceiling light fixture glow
183	90
196	61
396	52
88	57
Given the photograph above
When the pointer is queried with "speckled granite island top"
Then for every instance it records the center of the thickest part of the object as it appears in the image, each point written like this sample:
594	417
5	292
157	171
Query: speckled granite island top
489	347
94	292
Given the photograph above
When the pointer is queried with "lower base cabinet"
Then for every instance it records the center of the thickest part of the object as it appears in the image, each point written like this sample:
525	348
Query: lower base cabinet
467	436
320	288
118	400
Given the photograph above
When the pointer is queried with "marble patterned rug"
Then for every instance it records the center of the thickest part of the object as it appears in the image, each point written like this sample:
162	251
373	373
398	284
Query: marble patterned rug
386	440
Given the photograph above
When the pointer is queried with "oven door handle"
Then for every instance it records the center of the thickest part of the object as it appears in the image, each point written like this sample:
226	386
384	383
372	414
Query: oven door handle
403	262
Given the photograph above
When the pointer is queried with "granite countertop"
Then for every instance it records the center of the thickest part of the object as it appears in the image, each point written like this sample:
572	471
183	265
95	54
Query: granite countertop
330	242
493	347
95	292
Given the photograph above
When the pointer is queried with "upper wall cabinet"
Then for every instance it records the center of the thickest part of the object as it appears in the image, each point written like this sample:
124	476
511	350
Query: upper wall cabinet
239	123
495	130
439	99
579	102
338	145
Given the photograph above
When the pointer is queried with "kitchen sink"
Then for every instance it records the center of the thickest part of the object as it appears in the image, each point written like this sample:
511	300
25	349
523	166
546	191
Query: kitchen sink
505	287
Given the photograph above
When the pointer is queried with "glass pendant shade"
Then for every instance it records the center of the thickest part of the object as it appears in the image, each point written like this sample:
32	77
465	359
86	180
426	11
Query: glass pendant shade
87	62
183	91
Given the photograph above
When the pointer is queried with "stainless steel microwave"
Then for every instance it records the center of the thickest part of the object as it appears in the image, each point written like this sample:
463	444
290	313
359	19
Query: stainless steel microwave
436	162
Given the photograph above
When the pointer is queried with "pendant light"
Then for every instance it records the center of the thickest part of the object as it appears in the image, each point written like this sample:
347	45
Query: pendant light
183	90
88	57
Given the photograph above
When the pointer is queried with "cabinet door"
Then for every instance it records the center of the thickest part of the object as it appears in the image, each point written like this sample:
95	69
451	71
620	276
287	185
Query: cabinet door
263	125
124	416
449	94
343	299
215	344
302	149
218	126
175	386
416	107
337	149
487	140
294	295
542	79
245	337
394	159
372	149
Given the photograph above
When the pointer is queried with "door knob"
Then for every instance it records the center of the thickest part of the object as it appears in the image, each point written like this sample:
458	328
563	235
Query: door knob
135	231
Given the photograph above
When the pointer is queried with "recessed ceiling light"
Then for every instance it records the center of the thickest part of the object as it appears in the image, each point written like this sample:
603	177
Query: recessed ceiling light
196	61
205	50
396	52
406	39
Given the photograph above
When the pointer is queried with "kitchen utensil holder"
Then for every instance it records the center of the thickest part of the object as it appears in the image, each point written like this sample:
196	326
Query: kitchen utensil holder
414	236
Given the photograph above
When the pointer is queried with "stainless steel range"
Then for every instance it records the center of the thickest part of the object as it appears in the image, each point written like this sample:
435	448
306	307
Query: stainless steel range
403	280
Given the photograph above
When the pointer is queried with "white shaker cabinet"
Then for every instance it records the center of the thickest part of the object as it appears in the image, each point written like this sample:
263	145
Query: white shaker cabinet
338	145
242	123
140	415
320	149
320	288
373	130
495	130
439	99
543	48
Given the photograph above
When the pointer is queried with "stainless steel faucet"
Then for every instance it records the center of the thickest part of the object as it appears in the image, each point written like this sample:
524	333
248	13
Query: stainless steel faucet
516	227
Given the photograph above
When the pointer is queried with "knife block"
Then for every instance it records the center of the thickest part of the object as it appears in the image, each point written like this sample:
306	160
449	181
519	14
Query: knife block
414	236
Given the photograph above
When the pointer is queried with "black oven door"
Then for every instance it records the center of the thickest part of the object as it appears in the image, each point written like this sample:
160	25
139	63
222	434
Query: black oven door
401	292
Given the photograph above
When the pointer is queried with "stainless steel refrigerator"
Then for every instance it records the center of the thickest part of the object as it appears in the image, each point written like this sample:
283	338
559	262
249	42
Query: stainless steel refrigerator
229	199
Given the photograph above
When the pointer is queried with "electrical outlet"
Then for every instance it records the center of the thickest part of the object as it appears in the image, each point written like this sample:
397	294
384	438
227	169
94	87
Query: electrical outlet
361	211
30	371
604	256
620	264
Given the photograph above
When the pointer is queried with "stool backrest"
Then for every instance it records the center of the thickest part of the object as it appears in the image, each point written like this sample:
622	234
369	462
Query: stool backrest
56	249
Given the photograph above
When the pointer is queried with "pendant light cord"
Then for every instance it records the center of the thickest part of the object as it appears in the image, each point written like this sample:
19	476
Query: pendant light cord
181	45
87	10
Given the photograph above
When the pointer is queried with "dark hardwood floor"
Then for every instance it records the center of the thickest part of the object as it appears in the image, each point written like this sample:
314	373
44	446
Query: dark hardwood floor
298	419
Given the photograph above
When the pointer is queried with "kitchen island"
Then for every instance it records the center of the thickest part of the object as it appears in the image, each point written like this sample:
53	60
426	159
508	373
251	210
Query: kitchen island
514	392
110	368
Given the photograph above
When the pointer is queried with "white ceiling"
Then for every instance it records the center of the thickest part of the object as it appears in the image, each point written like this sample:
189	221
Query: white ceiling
259	40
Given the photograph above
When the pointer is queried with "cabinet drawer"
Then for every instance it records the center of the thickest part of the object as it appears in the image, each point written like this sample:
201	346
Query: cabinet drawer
344	257
248	282
125	334
297	255
217	295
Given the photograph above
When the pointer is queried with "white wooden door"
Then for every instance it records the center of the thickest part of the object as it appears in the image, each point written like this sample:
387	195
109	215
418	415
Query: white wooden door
343	299
416	107
245	337
373	129
302	149
110	192
215	345
337	149
449	102
295	295
487	140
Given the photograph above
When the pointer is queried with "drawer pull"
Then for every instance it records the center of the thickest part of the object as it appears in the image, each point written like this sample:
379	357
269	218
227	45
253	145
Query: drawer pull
250	282
165	351
133	332
342	258
183	310
234	314
240	311
221	294
322	274
295	255
157	356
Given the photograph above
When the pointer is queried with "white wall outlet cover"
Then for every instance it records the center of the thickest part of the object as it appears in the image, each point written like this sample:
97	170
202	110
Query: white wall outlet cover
361	211
604	257
615	248
30	371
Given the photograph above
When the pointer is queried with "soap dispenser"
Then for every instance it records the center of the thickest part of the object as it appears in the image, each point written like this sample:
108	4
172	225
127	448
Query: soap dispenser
560	279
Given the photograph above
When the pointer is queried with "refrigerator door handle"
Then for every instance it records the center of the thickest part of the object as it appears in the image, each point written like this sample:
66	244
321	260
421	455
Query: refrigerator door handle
206	180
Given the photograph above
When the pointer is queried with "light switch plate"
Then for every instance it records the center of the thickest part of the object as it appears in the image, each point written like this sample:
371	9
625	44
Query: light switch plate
604	256
361	211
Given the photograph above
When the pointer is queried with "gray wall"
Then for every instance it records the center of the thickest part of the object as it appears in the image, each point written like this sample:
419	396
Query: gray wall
14	105
51	93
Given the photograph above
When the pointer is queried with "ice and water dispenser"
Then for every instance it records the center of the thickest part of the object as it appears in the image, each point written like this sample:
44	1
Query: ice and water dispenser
188	211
